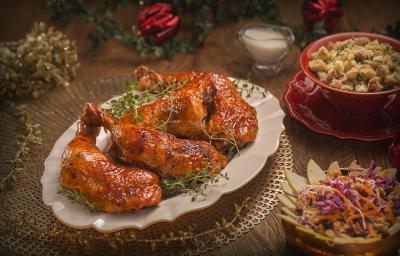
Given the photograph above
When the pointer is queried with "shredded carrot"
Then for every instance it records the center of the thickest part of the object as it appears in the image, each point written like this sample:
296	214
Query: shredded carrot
366	214
329	217
371	230
362	206
311	209
368	190
389	212
312	197
370	203
344	198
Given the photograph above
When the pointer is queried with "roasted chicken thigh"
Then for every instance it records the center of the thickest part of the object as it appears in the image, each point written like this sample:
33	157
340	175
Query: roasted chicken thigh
207	106
109	186
155	149
182	132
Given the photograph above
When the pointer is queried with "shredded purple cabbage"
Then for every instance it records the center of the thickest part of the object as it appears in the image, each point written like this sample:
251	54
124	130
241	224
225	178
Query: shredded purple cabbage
316	201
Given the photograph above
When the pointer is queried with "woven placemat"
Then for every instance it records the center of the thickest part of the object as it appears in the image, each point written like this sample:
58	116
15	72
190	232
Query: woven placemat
28	227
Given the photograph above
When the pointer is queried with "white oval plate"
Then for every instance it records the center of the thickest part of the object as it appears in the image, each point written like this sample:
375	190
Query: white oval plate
241	169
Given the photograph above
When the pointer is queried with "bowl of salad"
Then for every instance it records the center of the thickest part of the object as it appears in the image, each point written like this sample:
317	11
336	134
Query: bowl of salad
358	72
342	211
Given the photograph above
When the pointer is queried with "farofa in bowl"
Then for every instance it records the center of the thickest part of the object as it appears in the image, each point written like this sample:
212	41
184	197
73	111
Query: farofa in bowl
357	64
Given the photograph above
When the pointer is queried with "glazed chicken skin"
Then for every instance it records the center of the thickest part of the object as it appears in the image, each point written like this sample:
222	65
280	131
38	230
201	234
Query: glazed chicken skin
110	187
155	149
180	112
207	106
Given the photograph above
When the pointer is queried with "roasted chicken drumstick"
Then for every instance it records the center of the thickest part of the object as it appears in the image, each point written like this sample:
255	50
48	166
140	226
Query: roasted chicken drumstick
207	106
110	187
155	149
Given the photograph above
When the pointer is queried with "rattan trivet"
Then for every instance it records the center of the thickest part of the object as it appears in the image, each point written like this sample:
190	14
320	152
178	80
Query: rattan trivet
31	229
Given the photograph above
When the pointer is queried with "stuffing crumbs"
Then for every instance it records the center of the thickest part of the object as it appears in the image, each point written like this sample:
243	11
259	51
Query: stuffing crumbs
357	64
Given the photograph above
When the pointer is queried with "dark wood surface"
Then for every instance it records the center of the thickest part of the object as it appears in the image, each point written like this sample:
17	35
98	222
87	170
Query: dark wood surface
220	53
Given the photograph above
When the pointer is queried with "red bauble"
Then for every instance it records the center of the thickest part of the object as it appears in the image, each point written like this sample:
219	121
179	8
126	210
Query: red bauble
158	22
394	152
327	11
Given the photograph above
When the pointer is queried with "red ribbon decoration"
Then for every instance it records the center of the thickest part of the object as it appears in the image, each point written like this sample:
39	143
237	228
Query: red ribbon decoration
327	11
158	22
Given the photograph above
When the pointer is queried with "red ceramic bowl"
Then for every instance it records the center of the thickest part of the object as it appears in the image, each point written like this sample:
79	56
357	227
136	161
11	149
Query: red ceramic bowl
353	102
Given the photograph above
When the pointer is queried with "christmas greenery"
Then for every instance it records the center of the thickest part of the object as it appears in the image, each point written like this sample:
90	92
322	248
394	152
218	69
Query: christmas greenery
392	30
207	14
304	37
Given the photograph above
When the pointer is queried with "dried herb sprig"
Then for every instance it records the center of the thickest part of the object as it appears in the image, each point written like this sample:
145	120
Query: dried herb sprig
31	136
231	140
193	184
78	197
43	59
128	101
171	111
118	240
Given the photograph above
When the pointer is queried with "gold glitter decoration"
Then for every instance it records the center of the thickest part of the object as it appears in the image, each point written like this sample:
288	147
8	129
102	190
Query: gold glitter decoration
40	233
45	58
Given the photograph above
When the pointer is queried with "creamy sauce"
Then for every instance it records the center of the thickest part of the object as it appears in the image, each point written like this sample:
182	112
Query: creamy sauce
265	45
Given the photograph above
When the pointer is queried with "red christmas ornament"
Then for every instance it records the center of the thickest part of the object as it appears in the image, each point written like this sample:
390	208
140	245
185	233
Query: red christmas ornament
394	153
327	11
158	22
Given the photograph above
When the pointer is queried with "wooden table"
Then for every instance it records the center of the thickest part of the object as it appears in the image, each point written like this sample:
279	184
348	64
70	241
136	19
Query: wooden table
221	54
